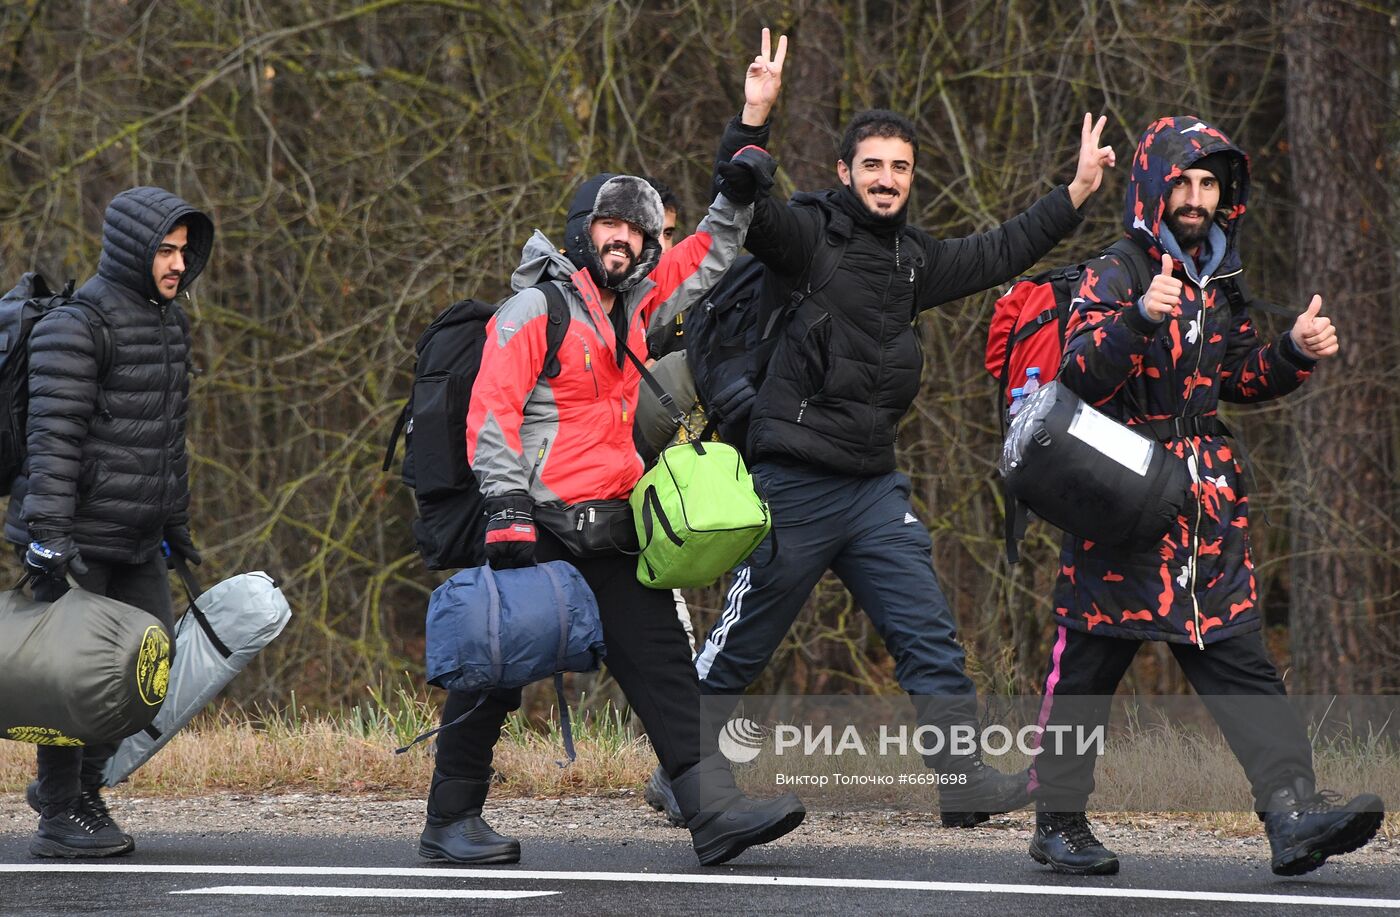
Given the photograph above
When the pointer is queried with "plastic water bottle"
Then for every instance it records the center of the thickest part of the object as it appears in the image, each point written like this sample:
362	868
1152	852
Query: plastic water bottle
1032	380
1018	399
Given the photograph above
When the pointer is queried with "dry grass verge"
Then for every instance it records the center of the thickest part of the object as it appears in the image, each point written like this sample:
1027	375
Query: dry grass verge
351	753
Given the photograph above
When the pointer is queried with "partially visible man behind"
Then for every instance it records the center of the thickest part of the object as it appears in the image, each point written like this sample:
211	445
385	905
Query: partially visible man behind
104	482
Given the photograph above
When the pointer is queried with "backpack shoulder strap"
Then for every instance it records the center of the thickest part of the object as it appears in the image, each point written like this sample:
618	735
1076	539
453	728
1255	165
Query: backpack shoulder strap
101	333
1135	260
557	312
826	258
1237	292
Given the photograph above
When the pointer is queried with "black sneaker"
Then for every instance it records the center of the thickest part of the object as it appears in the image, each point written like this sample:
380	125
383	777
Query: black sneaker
91	802
1064	842
1306	827
660	797
76	832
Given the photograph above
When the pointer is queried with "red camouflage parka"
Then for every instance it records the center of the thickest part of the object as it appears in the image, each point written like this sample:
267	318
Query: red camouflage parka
1197	585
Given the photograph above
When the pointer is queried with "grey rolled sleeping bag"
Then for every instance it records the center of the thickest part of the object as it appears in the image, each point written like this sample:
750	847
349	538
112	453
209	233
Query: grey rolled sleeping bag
217	637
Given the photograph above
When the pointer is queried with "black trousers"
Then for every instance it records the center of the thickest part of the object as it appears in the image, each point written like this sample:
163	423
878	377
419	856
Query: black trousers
648	654
64	772
1235	679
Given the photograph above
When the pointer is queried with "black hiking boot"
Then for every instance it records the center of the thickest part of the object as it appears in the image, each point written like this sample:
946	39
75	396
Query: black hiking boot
75	833
456	831
92	805
974	791
723	822
1064	842
660	797
1305	827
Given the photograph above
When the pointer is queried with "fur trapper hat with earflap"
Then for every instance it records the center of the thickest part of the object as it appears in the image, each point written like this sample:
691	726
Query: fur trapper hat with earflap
624	197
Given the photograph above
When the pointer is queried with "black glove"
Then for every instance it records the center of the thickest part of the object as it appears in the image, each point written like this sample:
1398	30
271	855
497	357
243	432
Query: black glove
178	543
733	403
748	174
510	531
53	555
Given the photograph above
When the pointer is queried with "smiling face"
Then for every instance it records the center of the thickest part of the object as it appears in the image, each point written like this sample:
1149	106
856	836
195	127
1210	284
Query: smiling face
880	173
619	245
1191	205
168	266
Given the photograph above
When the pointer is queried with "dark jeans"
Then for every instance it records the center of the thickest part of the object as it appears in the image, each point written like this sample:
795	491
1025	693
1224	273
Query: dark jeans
64	772
648	654
1236	681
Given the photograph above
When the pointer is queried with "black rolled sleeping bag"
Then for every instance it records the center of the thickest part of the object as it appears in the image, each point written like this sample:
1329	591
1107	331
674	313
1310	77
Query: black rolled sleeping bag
1090	475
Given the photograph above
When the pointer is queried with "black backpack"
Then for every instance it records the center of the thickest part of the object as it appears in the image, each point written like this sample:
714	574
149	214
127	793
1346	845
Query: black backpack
450	524
731	334
20	308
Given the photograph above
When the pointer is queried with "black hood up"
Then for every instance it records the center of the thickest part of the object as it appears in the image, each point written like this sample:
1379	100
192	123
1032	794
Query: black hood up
135	223
625	197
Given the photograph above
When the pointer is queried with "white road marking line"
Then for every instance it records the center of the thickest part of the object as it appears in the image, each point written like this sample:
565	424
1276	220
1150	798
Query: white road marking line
313	891
519	875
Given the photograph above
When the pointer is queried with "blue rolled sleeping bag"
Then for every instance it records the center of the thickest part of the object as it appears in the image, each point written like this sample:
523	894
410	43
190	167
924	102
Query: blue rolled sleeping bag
500	629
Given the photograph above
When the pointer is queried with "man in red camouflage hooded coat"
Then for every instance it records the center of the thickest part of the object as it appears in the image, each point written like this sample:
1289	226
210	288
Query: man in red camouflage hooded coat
1160	359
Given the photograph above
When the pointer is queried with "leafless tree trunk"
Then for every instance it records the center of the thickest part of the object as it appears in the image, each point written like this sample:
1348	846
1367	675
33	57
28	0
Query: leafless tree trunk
1343	601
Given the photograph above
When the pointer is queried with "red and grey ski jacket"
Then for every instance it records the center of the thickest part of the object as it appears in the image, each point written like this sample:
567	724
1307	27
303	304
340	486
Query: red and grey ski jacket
1197	585
567	439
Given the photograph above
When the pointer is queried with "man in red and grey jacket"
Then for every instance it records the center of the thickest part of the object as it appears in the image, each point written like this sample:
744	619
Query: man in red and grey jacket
552	442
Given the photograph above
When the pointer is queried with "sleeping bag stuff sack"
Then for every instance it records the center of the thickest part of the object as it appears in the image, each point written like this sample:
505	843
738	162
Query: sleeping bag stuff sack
218	635
494	630
697	515
1088	474
82	670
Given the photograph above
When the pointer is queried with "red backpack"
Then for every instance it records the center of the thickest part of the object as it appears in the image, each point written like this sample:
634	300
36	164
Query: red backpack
1029	322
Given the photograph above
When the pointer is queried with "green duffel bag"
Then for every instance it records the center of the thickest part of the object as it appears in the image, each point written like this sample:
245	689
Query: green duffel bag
81	670
697	515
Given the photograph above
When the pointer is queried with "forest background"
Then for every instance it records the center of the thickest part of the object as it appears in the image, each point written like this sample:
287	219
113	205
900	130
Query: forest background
368	163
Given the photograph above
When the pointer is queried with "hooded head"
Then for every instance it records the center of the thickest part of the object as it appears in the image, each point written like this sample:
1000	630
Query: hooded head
622	197
1167	149
135	223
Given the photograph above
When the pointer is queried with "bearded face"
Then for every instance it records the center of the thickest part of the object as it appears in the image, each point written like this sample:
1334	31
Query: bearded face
619	245
1191	206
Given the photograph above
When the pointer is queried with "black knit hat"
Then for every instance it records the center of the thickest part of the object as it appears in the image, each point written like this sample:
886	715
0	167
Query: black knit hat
1221	165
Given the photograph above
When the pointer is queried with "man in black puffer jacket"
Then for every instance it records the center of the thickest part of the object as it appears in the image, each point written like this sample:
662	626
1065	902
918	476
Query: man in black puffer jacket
104	483
822	427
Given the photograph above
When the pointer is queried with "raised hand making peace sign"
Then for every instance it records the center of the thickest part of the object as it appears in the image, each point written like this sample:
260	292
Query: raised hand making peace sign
763	80
1093	159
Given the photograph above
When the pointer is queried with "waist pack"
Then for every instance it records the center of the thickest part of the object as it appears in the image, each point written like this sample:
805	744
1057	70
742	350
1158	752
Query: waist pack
219	634
1086	473
81	670
697	515
492	630
591	528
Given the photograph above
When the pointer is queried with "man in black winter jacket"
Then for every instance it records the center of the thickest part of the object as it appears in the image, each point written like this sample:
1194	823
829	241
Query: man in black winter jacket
822	424
104	483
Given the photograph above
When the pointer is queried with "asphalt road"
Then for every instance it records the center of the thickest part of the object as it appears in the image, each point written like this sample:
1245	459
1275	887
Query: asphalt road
218	873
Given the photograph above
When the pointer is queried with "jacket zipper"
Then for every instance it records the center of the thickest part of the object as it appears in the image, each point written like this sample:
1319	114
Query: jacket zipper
539	459
1191	566
164	409
825	317
588	365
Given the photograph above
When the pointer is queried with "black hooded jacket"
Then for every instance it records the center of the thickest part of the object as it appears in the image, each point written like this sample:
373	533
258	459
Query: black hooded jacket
847	365
106	462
